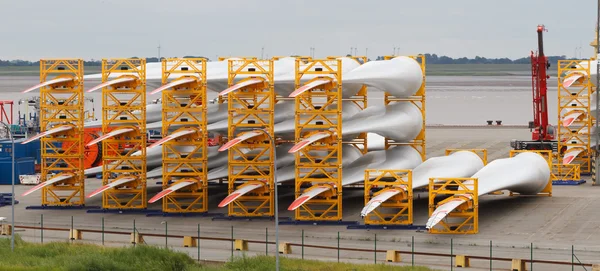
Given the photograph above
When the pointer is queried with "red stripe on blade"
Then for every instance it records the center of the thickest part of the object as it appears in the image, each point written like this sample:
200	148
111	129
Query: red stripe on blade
160	195
229	199
297	203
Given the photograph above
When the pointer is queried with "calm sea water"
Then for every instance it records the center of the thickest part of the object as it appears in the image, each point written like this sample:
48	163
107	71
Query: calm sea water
456	100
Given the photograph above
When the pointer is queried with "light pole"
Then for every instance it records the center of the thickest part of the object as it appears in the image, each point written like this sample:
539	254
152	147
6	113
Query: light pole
12	170
597	88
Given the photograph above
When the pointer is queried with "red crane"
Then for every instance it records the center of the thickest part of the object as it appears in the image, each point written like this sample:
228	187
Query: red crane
543	134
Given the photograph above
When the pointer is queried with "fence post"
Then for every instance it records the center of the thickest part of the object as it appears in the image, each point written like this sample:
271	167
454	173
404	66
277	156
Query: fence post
232	242
166	235
531	262
338	247
451	255
302	244
375	251
102	230
267	242
42	228
412	254
572	260
198	241
72	235
490	255
134	241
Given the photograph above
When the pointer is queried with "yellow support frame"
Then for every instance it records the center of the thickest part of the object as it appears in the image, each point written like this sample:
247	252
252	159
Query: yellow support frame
419	143
251	108
397	210
547	154
124	106
185	158
577	97
465	218
62	105
319	163
570	172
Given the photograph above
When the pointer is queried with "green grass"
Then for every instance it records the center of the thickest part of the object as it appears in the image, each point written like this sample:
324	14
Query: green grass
260	263
66	256
61	256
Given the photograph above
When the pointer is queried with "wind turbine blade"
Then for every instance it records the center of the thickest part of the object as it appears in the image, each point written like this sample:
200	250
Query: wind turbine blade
112	133
245	136
55	179
307	195
442	211
172	136
571	117
58	129
49	82
242	190
113	184
241	85
174	83
309	86
378	200
112	82
178	185
527	173
307	141
570	80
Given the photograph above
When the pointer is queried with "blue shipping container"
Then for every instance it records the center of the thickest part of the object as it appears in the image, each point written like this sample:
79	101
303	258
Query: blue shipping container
21	150
23	166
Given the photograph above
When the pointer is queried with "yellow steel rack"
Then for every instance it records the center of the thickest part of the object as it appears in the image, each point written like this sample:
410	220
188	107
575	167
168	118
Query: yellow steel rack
465	218
320	110
397	210
251	108
576	97
185	158
124	156
62	104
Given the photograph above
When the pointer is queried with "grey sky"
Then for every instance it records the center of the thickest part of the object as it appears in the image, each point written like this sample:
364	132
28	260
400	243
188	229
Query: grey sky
117	28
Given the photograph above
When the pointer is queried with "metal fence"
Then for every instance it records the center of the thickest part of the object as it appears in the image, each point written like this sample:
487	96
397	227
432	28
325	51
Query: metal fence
198	245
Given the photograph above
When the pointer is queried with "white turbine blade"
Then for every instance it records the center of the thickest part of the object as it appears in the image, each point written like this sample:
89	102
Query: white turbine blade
55	179
174	83
58	129
442	211
48	83
309	86
526	173
245	136
242	190
378	200
111	134
572	79
112	82
307	141
307	195
571	117
241	85
176	186
112	184
172	136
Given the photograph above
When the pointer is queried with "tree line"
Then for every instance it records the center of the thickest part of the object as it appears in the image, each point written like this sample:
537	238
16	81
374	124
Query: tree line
429	58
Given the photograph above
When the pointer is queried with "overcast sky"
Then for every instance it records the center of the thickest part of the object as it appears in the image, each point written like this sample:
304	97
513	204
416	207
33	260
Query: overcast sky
117	28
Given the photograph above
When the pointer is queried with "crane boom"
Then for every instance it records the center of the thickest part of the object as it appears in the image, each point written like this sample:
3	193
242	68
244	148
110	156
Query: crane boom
543	134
